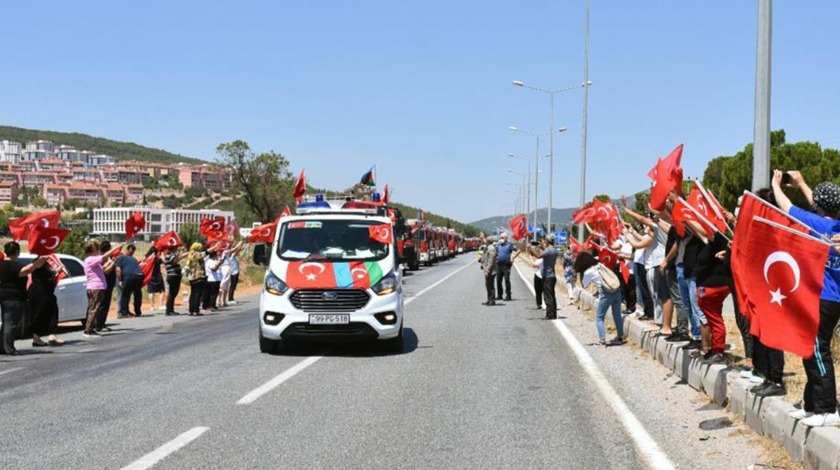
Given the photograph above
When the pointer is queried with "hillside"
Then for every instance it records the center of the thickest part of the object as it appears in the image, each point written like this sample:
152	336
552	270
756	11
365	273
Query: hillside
559	217
118	150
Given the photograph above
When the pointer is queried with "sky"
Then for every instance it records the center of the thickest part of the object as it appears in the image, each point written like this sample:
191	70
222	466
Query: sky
422	89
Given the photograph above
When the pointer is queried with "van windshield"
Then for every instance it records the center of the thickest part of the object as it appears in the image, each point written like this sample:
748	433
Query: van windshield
333	240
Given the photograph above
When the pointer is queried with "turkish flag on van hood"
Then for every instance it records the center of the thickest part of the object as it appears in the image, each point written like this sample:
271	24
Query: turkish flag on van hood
781	274
44	241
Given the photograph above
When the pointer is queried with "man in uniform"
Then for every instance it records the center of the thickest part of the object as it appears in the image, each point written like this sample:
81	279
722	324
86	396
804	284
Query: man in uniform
506	253
490	267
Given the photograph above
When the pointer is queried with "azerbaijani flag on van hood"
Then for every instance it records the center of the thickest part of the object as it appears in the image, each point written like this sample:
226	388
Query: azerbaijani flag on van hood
315	275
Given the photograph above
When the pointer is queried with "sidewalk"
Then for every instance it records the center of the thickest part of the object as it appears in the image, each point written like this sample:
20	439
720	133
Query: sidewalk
815	448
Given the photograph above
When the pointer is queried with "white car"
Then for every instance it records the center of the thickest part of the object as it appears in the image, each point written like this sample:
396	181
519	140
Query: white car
71	292
328	281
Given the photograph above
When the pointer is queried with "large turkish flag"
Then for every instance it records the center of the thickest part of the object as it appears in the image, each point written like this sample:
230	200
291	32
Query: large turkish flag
310	275
44	241
667	176
781	274
21	226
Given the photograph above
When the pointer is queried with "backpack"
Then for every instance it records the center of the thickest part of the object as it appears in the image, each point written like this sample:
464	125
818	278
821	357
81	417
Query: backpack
609	280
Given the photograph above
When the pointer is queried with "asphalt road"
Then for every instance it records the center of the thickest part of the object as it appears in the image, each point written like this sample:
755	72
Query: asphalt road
475	387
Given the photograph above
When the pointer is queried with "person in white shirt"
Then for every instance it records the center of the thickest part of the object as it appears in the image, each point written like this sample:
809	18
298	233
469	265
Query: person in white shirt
587	266
537	263
212	269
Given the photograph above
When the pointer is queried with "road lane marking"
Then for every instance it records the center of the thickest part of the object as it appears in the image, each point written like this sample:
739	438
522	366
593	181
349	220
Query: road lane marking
648	449
149	460
300	366
277	381
411	299
11	370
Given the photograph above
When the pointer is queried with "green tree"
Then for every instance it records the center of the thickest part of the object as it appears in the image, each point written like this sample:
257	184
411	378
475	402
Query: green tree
263	180
189	234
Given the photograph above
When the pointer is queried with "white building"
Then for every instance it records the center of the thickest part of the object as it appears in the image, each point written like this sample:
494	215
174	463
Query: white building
110	221
10	151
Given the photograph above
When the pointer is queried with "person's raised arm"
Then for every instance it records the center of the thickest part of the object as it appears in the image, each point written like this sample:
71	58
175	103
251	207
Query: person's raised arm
108	267
781	198
635	215
798	182
35	264
110	253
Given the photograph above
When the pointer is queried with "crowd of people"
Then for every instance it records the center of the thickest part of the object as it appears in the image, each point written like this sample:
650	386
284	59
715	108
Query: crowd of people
679	278
27	290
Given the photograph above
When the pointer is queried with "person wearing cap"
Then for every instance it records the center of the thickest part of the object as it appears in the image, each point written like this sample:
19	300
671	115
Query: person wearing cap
549	276
506	253
489	267
820	395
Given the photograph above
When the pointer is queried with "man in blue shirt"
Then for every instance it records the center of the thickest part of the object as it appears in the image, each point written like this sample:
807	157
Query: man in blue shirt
506	253
549	275
130	280
820	395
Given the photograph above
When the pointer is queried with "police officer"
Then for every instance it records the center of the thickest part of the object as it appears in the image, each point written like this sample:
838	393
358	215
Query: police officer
506	253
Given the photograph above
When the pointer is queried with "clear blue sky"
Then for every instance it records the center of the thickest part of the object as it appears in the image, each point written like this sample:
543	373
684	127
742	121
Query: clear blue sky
422	89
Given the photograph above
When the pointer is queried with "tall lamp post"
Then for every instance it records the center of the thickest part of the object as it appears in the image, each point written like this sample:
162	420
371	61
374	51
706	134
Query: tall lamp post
551	93
537	136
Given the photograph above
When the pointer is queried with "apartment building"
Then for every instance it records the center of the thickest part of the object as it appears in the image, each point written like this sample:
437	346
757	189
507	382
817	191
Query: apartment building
10	151
110	222
210	177
9	192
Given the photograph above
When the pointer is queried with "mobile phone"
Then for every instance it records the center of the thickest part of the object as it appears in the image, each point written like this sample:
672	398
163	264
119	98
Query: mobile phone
786	179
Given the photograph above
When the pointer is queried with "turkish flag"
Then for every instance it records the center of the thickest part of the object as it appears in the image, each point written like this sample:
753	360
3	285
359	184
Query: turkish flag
361	277
518	226
286	212
590	243
134	224
584	214
44	241
708	210
382	233
223	240
625	271
148	268
385	195
607	257
300	187
168	241
667	177
682	213
575	246
310	275
752	206
232	228
212	227
57	267
21	227
263	234
781	274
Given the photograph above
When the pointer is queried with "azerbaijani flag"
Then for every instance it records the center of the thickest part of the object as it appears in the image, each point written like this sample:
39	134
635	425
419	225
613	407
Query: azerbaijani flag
367	178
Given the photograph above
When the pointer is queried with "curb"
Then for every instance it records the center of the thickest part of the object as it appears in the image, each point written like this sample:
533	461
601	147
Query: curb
816	448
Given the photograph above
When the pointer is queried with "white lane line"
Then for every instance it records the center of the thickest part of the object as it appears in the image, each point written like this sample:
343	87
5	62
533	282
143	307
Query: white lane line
149	460
411	299
11	370
300	366
645	444
277	381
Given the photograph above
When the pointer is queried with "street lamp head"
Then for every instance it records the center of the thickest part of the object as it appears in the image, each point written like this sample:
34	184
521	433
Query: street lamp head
511	155
513	128
518	83
562	129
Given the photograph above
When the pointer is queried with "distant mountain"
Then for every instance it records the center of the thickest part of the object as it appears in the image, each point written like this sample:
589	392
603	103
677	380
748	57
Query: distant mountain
559	217
118	150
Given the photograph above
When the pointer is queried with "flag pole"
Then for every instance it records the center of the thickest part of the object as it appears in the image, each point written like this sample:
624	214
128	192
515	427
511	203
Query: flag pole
788	229
762	201
714	205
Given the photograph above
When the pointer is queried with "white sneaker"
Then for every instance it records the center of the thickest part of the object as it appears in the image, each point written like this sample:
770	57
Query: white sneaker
755	379
823	419
233	302
800	414
746	374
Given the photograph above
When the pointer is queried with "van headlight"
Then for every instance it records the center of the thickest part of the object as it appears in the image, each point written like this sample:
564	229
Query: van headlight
275	285
386	285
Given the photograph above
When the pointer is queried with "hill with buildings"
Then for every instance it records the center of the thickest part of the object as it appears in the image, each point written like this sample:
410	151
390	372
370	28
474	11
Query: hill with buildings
98	145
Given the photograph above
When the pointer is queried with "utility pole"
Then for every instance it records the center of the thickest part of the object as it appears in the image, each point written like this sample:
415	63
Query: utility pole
761	131
585	109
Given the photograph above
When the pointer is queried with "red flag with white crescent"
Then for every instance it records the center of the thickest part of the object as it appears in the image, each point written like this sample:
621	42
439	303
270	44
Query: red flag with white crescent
263	234
519	227
310	275
212	227
168	241
382	233
44	241
134	224
22	226
148	268
668	176
300	187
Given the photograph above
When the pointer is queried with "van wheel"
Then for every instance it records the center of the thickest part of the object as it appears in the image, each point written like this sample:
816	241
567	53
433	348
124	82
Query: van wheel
269	346
394	345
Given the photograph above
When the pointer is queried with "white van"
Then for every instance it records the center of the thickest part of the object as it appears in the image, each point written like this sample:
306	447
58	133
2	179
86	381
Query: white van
329	279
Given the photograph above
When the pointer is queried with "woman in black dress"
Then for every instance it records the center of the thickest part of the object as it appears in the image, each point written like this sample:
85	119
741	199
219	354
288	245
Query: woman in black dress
13	293
44	307
156	287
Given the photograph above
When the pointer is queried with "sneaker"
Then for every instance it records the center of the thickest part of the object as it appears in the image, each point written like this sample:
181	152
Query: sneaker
602	342
715	358
233	302
617	341
91	334
746	374
693	345
756	379
822	419
800	414
759	388
105	329
677	338
771	390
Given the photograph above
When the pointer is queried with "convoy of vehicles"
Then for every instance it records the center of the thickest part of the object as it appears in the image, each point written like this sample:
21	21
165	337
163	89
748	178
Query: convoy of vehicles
335	272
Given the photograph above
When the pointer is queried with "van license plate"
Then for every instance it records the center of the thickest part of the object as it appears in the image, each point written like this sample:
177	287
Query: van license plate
329	319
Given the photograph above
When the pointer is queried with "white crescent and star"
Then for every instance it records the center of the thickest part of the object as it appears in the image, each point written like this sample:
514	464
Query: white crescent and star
45	221
52	246
786	258
311	276
361	275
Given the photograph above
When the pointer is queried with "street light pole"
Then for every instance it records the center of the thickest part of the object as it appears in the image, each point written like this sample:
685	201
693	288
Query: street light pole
761	129
536	183
585	109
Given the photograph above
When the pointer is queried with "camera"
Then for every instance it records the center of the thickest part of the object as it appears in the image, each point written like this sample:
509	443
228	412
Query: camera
786	179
